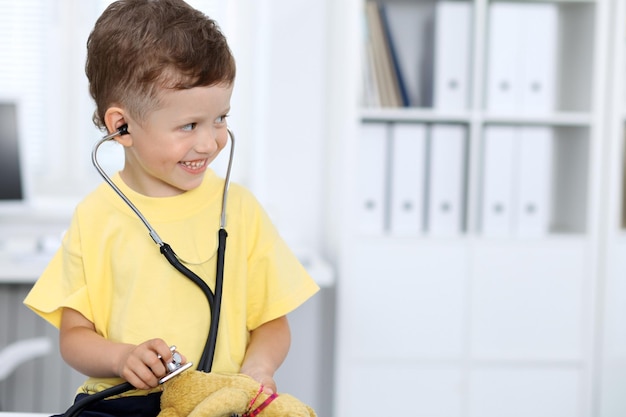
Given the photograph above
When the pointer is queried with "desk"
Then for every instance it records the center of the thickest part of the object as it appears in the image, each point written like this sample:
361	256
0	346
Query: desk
26	247
44	383
25	251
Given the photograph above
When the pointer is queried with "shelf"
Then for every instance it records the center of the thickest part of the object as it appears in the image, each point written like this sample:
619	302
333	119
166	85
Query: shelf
574	119
425	115
555	239
505	302
547	1
412	115
476	363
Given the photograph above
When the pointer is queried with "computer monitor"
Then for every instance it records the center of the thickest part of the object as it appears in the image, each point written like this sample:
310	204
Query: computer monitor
12	189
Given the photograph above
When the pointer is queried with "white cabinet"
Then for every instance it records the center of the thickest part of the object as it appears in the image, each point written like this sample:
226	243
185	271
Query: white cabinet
611	330
467	323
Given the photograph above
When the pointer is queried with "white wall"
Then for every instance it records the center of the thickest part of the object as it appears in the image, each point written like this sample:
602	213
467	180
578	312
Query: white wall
281	94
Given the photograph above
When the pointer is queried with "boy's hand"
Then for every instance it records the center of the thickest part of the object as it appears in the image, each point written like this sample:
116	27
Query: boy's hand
143	365
267	349
265	379
91	354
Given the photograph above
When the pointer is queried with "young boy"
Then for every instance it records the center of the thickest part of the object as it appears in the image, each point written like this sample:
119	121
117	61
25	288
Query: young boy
165	71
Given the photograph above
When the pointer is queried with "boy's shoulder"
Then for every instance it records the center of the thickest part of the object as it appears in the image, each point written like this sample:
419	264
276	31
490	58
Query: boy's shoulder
95	197
95	204
241	191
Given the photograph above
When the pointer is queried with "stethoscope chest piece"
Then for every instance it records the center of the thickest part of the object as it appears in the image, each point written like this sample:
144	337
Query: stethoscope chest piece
175	366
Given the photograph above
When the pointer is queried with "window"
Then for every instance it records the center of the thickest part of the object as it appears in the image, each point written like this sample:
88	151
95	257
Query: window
24	53
42	58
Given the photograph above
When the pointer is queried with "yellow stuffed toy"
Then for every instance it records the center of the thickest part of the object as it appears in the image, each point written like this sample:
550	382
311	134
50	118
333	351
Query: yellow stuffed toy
201	394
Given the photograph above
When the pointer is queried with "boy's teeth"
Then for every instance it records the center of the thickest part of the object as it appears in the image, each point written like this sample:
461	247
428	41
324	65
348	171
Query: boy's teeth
193	164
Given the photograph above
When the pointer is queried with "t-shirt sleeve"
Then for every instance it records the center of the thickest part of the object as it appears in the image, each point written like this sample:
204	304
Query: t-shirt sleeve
277	281
62	283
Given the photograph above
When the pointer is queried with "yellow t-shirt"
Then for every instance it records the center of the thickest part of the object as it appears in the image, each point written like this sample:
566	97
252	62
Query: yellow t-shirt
111	271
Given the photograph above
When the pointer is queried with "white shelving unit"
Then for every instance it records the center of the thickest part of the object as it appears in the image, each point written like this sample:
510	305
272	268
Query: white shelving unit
611	333
474	326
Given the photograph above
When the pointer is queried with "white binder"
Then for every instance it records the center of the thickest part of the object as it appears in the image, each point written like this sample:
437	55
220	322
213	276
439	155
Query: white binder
535	165
498	180
446	180
539	54
522	56
371	178
503	84
407	178
452	55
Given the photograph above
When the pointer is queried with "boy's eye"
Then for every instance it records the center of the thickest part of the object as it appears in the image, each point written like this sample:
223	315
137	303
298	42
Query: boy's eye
190	126
221	119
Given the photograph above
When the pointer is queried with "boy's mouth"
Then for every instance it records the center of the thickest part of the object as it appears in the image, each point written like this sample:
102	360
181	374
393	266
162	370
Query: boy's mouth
194	165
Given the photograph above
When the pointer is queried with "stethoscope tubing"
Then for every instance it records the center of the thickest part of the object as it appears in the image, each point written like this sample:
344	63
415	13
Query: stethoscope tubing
214	298
84	402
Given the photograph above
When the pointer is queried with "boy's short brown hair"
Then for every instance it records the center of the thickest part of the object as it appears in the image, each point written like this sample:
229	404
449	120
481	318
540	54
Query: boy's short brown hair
139	47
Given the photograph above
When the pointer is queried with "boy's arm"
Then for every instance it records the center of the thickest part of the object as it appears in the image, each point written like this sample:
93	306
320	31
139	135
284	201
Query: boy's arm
268	347
93	355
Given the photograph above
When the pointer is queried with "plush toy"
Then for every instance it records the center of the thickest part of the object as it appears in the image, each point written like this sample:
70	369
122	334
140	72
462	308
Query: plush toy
201	394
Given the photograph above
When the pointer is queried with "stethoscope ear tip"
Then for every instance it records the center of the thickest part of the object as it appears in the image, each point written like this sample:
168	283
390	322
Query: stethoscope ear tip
122	130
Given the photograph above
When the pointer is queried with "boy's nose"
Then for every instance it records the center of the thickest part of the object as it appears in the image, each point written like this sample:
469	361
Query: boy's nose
207	142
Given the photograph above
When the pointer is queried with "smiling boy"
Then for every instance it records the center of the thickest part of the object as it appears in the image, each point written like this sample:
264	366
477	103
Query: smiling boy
165	70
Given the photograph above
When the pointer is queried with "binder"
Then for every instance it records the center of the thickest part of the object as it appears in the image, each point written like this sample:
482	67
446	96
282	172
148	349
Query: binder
408	144
522	55
397	71
452	55
386	76
371	93
410	32
498	180
503	84
539	55
535	165
446	180
371	178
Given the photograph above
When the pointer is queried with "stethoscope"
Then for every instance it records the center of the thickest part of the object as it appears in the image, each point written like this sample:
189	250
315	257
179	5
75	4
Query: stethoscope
214	298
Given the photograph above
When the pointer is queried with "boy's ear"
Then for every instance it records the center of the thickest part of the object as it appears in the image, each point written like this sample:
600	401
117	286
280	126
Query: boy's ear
114	119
